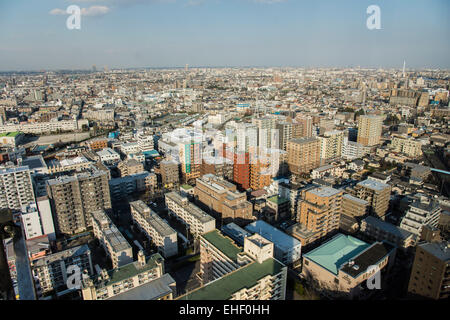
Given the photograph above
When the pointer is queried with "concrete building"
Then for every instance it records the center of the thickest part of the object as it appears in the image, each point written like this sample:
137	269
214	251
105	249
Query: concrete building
353	210
16	187
139	182
320	212
376	193
286	248
408	146
219	256
170	173
108	155
235	232
51	271
74	198
422	212
331	144
369	129
378	230
196	219
130	167
144	279
230	272
430	275
343	264
157	230
303	154
31	222
110	238
224	199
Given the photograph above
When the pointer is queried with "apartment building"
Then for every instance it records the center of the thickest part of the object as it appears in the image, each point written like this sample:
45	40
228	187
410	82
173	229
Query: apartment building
44	127
74	198
50	272
320	212
409	146
287	249
218	256
302	127
190	155
342	265
331	144
170	173
110	238
430	275
144	279
230	272
376	193
16	187
108	155
97	144
378	230
241	169
139	182
423	211
130	167
303	154
254	281
370	129
353	210
223	197
156	229
196	219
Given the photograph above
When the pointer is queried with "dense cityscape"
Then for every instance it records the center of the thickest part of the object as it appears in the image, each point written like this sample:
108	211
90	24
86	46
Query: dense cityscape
201	183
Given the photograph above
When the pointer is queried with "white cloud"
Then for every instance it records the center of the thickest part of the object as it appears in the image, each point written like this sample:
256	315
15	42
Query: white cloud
95	11
92	11
58	12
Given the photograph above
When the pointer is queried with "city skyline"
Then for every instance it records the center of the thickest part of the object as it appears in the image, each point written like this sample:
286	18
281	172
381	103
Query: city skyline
158	34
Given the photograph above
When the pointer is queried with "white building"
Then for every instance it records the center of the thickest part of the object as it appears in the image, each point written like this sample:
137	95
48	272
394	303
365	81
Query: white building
108	155
16	187
423	211
196	219
156	229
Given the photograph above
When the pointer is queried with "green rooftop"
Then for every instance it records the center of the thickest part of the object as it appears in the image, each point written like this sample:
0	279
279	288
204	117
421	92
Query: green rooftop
337	251
186	186
10	134
225	245
131	269
278	200
245	277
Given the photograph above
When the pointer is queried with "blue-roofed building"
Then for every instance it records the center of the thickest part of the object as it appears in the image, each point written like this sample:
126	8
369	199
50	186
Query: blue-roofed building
235	232
342	265
287	249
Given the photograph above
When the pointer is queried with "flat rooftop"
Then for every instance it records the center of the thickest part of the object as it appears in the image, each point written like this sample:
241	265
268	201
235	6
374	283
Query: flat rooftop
439	250
223	244
334	253
245	277
388	227
190	207
280	239
373	184
325	192
149	291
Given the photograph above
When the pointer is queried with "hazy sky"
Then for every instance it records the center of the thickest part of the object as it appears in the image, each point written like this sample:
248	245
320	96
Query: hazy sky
171	33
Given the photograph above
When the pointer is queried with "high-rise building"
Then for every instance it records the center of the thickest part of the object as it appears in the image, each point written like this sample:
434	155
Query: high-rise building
170	174
430	275
370	129
302	127
320	212
303	154
241	169
376	193
191	160
284	133
16	187
331	143
74	198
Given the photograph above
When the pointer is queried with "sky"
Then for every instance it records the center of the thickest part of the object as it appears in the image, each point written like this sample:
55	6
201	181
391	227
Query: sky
217	33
